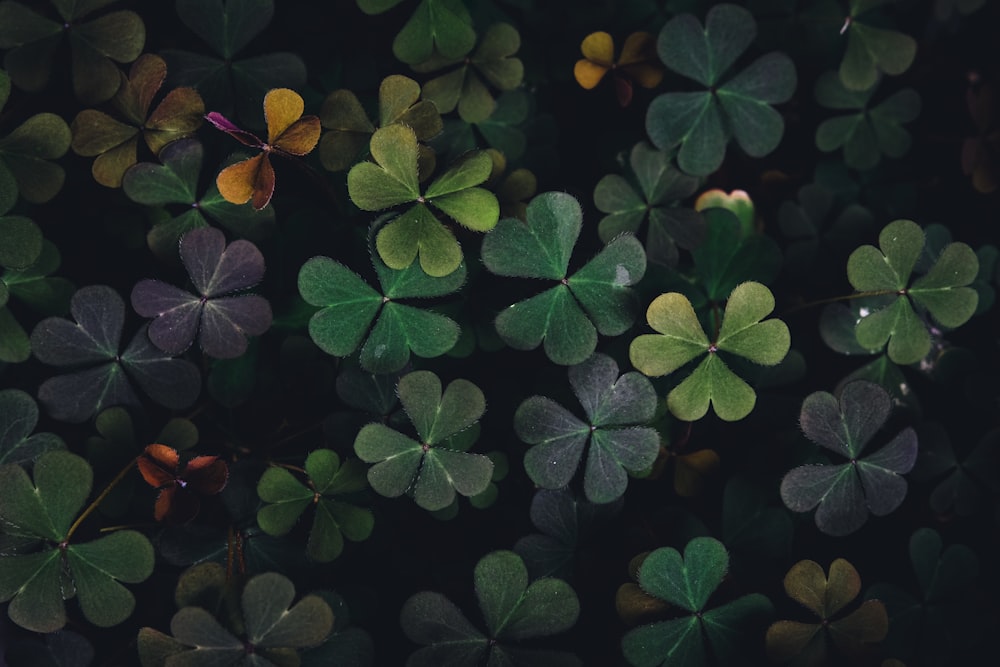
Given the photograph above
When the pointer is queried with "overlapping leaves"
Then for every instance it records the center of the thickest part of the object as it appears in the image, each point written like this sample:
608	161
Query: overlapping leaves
175	182
701	123
100	373
637	62
36	289
869	133
513	610
36	582
349	307
937	625
115	141
661	186
826	596
465	87
565	318
942	292
681	340
688	582
847	492
442	27
618	409
289	134
393	179
266	628
349	129
96	44
25	160
228	83
427	468
287	498
872	50
217	315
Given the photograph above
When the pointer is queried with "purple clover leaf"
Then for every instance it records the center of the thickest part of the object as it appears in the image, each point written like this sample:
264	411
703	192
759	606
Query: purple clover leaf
216	313
101	374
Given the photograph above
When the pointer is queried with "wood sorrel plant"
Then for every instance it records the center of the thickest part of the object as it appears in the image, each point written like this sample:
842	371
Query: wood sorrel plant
473	351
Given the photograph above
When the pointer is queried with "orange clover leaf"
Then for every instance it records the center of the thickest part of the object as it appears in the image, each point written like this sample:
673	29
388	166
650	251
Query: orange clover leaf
177	501
637	63
289	133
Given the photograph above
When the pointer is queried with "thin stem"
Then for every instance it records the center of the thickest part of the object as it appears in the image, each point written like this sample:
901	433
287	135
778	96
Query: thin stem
124	526
288	466
97	501
847	297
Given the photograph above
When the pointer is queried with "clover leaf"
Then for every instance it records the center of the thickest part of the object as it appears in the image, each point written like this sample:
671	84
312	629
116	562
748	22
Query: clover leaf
18	418
730	255
512	608
100	372
436	26
962	486
227	83
220	318
289	134
25	156
179	487
44	510
826	596
942	292
937	625
661	186
872	50
175	181
33	40
393	180
618	409
265	629
688	582
869	133
349	129
847	492
702	123
637	62
567	524
814	222
427	468
349	306
287	498
463	87
114	141
34	287
502	131
681	339
567	317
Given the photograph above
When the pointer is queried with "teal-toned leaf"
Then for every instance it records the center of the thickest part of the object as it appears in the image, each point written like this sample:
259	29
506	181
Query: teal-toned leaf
270	623
438	416
22	242
553	317
728	257
348	305
541	246
18	418
515	610
602	285
402	329
97	568
704	54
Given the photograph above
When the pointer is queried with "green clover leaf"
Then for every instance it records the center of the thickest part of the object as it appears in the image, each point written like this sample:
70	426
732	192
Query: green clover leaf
702	123
942	292
681	339
566	317
431	472
287	498
44	510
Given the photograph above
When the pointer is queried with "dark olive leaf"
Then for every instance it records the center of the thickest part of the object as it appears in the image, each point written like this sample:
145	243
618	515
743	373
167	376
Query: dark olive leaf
18	418
443	26
44	509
